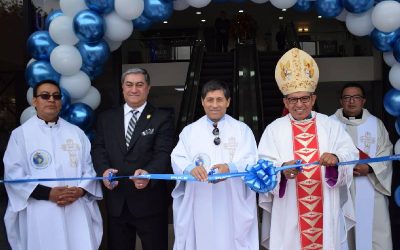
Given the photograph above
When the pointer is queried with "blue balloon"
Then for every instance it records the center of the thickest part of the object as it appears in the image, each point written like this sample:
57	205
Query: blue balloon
396	50
329	8
303	5
384	41
397	125
142	23
397	196
391	102
89	26
157	10
101	6
92	72
79	114
358	6
40	70
65	100
51	16
40	45
94	54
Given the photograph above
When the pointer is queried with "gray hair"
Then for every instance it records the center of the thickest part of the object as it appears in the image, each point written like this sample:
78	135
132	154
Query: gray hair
136	71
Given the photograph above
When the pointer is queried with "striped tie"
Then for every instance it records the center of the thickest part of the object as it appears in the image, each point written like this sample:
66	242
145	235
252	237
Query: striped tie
131	127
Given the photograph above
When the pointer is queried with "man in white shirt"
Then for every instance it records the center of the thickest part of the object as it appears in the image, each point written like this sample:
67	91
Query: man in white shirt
220	215
54	215
306	208
372	182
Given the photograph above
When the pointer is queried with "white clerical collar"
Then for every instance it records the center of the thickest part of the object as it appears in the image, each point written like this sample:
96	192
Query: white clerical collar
212	122
49	124
128	108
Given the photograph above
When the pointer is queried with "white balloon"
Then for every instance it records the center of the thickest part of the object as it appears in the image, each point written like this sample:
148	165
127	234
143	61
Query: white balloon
77	85
71	7
62	32
359	24
117	28
92	98
180	5
389	59
394	76
397	147
29	95
30	61
386	16
198	3
283	4
113	45
27	114
66	60
342	15
129	9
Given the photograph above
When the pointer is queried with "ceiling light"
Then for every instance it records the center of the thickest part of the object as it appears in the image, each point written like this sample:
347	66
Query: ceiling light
198	12
280	18
283	9
241	11
305	29
203	20
165	22
319	17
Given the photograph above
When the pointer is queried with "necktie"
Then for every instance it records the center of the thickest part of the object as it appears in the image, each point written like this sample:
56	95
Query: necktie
131	127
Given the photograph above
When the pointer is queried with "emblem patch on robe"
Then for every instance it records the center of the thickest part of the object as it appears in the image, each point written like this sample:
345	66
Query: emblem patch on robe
231	146
72	149
40	159
202	160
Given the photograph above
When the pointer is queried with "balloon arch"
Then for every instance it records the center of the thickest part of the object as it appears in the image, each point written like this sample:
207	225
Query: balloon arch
79	37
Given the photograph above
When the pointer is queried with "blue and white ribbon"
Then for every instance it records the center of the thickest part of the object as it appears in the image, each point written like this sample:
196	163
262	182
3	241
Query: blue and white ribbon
260	177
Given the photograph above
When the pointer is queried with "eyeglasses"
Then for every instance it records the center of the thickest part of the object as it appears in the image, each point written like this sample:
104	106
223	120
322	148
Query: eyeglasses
356	98
303	99
215	132
47	96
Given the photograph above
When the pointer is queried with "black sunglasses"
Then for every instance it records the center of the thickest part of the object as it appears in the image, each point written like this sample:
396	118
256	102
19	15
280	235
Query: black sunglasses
47	96
215	132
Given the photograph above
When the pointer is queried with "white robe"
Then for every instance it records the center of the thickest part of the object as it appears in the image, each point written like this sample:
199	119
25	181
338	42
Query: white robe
219	216
280	215
37	150
380	179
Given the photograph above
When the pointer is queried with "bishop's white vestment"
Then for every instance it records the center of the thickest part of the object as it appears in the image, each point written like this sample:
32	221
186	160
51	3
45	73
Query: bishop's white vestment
61	150
221	216
370	192
280	225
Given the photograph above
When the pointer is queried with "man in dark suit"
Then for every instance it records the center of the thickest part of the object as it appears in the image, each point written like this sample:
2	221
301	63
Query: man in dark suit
135	139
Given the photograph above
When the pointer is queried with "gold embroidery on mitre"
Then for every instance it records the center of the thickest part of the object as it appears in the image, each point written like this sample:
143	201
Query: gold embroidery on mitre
296	71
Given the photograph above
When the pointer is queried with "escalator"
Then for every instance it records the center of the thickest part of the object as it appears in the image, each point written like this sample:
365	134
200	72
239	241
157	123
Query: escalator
204	66
271	95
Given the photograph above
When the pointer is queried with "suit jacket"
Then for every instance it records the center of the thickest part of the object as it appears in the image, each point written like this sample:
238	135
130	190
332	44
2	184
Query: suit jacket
150	148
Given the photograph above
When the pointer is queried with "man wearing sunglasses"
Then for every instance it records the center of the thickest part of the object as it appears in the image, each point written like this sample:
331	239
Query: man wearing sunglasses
372	182
57	214
220	215
306	208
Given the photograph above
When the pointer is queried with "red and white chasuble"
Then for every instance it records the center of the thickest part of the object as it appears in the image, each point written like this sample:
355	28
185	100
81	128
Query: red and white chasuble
309	185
